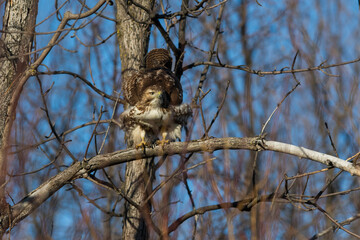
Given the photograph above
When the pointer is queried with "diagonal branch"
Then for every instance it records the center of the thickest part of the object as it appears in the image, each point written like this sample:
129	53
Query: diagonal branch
242	205
211	52
75	75
79	169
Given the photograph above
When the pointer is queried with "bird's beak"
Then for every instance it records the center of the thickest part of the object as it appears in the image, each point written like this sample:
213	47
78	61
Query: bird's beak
159	94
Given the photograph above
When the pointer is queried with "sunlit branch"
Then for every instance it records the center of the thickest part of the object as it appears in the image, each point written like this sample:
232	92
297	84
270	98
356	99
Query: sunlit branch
82	169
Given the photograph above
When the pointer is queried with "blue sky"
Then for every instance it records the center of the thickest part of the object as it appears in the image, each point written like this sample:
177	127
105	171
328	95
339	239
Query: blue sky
272	31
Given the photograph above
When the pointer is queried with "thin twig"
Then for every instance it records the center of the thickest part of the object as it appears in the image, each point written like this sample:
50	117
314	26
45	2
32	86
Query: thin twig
101	93
52	127
334	221
333	228
330	138
242	205
219	108
39	169
108	128
337	175
93	133
65	133
277	107
212	47
263	73
93	202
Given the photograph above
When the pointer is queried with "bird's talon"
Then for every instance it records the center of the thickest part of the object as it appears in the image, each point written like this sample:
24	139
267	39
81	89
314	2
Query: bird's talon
142	144
162	142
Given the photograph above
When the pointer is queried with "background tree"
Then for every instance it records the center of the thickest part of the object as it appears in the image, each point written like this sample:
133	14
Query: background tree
16	41
286	68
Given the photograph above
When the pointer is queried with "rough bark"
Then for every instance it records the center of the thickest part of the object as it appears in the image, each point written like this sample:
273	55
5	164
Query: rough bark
78	170
16	41
133	32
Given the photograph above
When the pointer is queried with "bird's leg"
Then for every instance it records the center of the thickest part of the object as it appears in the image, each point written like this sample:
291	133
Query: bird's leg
143	143
163	141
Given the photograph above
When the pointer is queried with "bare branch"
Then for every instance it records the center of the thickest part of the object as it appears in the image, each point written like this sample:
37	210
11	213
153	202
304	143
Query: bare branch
52	126
211	52
242	205
275	72
333	228
80	169
335	222
101	93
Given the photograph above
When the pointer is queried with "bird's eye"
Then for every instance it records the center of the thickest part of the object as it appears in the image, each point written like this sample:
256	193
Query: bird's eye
152	93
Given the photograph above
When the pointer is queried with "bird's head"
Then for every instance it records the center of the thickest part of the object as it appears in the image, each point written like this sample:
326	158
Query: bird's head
155	97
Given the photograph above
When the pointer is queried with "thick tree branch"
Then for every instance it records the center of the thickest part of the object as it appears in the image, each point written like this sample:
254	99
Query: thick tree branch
312	155
77	170
80	169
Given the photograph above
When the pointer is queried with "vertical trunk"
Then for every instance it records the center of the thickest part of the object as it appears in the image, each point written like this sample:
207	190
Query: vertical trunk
133	36
18	25
133	33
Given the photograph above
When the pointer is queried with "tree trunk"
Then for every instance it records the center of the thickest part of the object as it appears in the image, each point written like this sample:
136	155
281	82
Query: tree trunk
16	41
133	31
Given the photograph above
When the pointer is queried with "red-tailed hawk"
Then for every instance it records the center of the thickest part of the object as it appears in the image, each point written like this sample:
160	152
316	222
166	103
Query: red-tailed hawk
157	72
155	97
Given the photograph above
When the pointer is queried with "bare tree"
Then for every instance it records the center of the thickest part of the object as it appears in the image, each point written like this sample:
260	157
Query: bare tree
271	151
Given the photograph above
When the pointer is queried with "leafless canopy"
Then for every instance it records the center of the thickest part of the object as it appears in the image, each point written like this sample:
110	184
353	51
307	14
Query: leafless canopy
271	151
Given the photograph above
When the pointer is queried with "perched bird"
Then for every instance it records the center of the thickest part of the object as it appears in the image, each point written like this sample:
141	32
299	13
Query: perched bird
155	97
157	72
152	117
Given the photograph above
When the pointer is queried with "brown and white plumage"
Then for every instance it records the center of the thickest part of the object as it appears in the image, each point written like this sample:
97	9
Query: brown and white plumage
155	96
153	117
158	58
157	72
135	85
